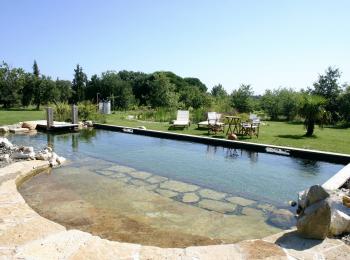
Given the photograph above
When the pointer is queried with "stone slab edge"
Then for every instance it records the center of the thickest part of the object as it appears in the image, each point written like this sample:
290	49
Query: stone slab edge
338	179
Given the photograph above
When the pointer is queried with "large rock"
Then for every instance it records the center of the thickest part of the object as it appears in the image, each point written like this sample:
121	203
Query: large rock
22	155
4	142
340	223
315	220
312	195
5	158
4	129
30	125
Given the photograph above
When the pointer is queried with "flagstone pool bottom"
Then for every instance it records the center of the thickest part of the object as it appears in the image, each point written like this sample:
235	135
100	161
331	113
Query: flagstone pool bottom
123	204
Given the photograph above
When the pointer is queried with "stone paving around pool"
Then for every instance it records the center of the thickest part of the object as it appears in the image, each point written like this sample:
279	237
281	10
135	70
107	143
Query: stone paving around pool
24	234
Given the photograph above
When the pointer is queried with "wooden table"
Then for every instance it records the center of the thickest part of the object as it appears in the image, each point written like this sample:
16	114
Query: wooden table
234	123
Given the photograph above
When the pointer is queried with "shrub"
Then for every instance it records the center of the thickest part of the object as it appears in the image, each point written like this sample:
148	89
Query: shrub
86	111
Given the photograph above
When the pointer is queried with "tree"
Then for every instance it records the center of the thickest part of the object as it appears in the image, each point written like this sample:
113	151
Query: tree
93	87
328	87
37	90
344	104
191	96
36	71
11	85
161	91
241	98
78	85
313	111
49	91
124	97
196	83
218	91
30	89
27	91
64	87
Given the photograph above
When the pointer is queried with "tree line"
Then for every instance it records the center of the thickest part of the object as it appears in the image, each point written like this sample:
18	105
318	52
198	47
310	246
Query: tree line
327	100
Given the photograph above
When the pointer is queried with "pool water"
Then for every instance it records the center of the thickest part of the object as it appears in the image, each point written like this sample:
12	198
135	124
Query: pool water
167	193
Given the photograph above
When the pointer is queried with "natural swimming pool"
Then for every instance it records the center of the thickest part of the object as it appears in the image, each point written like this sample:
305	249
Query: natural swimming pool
165	192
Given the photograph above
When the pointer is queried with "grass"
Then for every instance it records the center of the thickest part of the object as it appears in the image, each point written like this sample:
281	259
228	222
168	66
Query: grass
276	133
19	115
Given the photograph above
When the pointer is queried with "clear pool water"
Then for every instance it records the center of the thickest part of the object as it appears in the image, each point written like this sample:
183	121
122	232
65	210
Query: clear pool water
138	189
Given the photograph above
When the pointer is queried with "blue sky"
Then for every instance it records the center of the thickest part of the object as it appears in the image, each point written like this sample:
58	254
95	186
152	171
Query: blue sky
264	43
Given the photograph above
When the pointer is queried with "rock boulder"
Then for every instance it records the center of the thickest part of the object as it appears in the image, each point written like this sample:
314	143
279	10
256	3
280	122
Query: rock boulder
29	124
315	221
312	195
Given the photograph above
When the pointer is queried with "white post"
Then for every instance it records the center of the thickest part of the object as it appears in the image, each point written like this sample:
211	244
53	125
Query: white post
75	114
49	117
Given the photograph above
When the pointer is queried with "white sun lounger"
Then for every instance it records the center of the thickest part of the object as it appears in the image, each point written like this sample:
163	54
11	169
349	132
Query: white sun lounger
213	119
182	119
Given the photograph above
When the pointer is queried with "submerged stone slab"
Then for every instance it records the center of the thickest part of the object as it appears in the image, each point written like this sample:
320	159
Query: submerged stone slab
156	179
266	207
240	201
140	175
190	197
178	186
211	194
251	212
106	173
166	193
282	218
217	206
120	168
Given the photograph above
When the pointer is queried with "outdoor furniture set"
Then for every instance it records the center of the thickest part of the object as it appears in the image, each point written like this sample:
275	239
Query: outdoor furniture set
214	124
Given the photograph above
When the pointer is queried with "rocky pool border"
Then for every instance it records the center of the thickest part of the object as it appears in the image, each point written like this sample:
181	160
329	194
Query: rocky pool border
24	234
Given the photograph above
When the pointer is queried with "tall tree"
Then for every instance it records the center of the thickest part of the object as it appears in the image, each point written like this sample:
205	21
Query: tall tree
37	86
36	71
328	87
78	84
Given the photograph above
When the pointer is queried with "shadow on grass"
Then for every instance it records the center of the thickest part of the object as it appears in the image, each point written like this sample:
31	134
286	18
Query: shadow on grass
296	137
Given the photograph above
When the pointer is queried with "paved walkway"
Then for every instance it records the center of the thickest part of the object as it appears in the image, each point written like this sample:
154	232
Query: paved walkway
24	234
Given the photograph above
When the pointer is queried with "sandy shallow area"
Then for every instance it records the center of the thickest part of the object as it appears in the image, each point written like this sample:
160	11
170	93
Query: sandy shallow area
122	204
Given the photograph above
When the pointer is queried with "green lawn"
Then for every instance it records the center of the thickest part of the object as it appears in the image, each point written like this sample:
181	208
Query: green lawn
276	133
20	115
